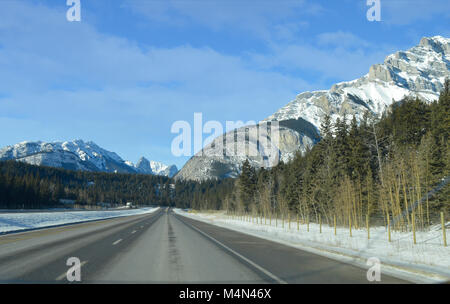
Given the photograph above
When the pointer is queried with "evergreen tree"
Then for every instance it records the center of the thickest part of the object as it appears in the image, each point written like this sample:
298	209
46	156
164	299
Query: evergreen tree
247	184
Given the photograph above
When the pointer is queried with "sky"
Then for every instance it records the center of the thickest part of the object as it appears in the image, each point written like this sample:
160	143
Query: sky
131	68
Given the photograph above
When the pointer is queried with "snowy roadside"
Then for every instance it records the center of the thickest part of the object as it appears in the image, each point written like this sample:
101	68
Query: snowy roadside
426	262
15	222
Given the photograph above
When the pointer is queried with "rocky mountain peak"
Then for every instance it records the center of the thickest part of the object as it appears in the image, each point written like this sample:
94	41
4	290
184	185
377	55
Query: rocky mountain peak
143	164
438	44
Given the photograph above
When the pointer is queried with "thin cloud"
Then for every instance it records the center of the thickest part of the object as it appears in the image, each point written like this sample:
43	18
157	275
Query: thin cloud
404	12
331	62
341	39
255	17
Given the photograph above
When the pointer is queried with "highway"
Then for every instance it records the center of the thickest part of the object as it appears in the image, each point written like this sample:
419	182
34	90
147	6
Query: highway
163	247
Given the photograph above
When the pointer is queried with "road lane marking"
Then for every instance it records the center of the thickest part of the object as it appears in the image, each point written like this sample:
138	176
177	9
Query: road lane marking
117	242
263	270
64	275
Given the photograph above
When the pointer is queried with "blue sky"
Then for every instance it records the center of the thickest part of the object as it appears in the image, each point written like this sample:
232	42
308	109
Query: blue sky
131	68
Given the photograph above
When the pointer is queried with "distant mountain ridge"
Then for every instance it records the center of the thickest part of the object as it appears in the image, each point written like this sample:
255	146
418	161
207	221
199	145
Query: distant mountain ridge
79	155
145	166
418	72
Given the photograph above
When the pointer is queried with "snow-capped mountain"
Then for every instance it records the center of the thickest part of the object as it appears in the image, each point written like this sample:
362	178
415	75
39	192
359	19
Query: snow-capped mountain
418	72
75	155
144	166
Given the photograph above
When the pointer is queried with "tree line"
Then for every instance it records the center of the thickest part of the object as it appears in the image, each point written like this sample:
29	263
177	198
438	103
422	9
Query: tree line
378	169
33	187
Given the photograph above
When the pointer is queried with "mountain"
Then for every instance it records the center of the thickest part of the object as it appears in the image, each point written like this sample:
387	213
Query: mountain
144	166
76	155
210	163
418	72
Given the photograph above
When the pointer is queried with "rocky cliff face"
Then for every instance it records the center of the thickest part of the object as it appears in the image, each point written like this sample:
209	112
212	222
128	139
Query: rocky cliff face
249	143
418	72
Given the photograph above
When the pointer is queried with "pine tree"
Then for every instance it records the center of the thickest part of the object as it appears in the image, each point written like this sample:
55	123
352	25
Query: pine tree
342	147
358	156
247	184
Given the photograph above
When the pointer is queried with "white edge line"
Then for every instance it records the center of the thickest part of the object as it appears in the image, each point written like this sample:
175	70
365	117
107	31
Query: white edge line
265	271
391	270
117	242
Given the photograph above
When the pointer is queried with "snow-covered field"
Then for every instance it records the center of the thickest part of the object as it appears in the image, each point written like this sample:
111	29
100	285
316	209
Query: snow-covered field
10	222
426	261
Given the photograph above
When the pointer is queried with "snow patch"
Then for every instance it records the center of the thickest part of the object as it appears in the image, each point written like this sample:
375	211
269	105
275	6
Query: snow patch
14	222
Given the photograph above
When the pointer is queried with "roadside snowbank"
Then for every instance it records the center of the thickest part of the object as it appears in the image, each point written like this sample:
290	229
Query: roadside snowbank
427	261
12	222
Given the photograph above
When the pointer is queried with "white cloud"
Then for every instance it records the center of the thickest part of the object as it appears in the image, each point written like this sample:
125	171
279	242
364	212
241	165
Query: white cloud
56	54
341	39
333	62
255	17
289	31
404	12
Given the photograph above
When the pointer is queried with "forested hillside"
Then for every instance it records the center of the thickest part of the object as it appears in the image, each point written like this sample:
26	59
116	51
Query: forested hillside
378	169
27	186
33	187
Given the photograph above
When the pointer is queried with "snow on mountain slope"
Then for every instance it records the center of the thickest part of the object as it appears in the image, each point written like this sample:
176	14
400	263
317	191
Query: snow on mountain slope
161	169
145	166
75	155
418	72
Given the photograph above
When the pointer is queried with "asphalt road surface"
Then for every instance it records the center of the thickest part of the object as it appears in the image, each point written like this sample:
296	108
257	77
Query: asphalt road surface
163	247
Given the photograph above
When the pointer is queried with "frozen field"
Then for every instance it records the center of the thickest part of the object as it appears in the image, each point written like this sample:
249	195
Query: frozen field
17	221
427	259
